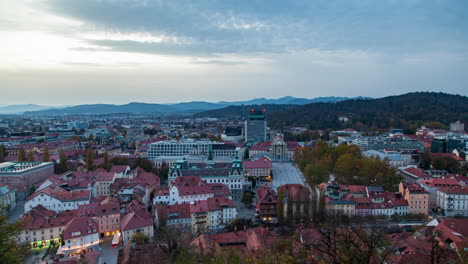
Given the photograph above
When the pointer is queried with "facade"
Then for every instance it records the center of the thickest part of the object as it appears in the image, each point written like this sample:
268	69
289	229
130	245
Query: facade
232	134
186	147
79	234
255	127
22	175
133	223
453	200
42	227
343	206
457	126
258	171
296	201
230	174
417	197
57	199
105	213
276	150
266	205
432	185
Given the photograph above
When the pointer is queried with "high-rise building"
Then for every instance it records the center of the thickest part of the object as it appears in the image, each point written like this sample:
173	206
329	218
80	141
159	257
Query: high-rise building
255	126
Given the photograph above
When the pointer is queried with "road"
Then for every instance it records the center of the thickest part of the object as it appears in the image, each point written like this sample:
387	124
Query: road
109	254
15	214
286	173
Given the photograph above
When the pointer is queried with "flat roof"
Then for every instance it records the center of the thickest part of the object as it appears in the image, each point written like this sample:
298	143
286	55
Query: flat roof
18	167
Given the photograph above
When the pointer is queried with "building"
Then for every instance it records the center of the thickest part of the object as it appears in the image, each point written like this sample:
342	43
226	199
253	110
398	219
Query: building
343	206
180	148
296	201
394	159
432	185
453	200
258	172
416	196
133	223
79	234
232	134
22	175
255	127
276	150
7	197
230	174
457	126
413	174
189	189
42	227
222	212
57	199
266	205
106	213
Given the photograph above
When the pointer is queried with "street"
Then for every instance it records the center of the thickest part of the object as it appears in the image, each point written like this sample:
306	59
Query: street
109	254
16	213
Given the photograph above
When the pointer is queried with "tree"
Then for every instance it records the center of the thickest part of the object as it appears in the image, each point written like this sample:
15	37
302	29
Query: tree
439	163
106	160
2	153
10	250
280	207
31	155
247	198
91	137
140	238
46	155
89	159
63	163
21	154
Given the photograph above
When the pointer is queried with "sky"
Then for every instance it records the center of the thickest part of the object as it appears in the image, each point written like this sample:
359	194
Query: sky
68	52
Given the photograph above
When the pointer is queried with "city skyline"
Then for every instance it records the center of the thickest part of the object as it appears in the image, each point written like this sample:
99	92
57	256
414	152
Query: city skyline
116	52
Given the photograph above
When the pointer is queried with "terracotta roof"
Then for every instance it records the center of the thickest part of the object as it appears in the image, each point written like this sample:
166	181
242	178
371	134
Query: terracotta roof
80	226
199	207
62	194
218	203
447	155
133	221
266	195
454	190
39	218
439	182
118	168
260	163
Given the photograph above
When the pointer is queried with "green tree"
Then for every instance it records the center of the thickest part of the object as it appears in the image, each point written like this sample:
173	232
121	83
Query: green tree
439	163
140	238
247	198
89	159
91	137
10	250
46	155
22	154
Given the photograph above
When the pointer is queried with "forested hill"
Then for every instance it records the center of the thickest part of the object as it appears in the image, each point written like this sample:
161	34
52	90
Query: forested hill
241	111
406	111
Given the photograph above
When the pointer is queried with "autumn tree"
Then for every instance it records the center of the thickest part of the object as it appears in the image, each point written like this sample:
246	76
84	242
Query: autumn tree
22	154
46	155
106	160
89	159
63	163
280	207
140	238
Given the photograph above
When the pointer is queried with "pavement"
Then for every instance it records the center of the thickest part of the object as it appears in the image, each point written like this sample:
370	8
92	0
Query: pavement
286	173
244	212
109	254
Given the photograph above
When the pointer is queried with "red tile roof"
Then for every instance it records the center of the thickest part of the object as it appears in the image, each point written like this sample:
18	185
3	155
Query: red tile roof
62	194
80	226
133	221
39	218
261	163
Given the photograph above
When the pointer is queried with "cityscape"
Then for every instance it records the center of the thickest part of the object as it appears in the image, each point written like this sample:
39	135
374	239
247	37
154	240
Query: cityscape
246	132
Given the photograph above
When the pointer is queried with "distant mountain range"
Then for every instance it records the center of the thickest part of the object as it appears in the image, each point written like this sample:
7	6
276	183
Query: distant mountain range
19	109
138	108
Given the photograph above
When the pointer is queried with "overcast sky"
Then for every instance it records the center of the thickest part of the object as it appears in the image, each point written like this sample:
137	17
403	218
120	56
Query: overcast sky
64	52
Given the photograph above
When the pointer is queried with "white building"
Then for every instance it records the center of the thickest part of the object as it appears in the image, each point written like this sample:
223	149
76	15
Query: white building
80	233
57	199
453	200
